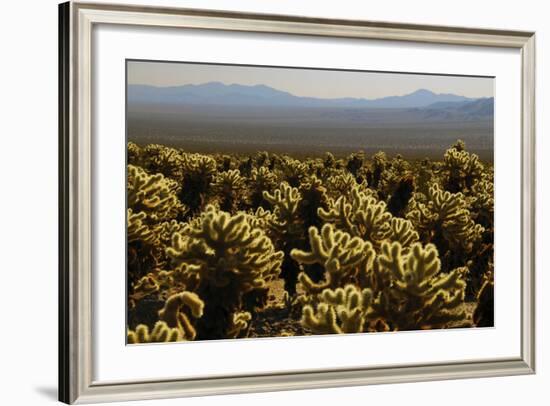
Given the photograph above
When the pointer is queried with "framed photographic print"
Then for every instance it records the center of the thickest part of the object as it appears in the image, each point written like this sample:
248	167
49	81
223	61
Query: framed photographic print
234	187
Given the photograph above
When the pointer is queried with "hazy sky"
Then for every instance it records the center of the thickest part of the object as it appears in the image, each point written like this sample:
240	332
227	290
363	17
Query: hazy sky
307	82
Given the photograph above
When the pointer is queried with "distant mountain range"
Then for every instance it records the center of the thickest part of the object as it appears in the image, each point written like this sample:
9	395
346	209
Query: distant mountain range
446	111
219	94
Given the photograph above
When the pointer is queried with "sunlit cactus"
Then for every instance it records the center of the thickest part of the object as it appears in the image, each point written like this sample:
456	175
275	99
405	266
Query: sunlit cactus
462	168
262	219
165	230
396	175
161	333
482	201
231	251
240	321
262	158
261	180
174	315
144	247
341	183
292	170
224	163
446	216
227	245
361	216
416	294
174	322
354	163
379	164
313	197
155	195
228	189
184	277
157	158
139	230
329	160
425	176
343	257
198	172
403	232
144	287
288	229
285	201
133	153
342	310
230	259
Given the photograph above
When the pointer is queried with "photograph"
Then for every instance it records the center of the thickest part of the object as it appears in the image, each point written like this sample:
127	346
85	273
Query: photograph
271	202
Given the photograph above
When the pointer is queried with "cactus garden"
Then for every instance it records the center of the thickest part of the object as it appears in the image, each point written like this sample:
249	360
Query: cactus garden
227	245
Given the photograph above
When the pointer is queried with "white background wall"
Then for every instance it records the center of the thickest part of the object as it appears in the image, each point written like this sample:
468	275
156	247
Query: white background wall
28	201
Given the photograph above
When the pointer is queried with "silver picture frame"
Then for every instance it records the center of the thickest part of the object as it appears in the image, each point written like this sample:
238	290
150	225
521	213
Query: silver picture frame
76	21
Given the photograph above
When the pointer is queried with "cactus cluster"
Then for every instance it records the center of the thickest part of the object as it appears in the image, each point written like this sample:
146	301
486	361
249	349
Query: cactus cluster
223	259
414	293
342	310
235	245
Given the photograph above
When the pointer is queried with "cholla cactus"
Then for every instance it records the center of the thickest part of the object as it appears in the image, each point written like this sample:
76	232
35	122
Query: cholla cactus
261	180
262	158
342	310
174	280
396	174
245	166
483	201
343	257
228	189
174	316
157	158
240	322
416	295
144	287
425	176
363	216
144	247
154	195
230	259
198	172
379	163
446	216
403	232
313	197
355	162
133	154
341	183
462	168
174	324
199	164
165	230
329	160
361	245
161	333
227	251
288	229
139	230
285	201
292	170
